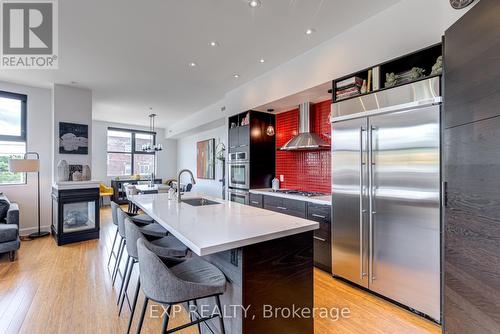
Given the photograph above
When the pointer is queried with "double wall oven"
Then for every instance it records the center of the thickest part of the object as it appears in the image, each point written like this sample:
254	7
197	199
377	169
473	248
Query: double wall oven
239	177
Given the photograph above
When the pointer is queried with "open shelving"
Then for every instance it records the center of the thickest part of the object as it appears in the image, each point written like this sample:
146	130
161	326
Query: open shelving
424	59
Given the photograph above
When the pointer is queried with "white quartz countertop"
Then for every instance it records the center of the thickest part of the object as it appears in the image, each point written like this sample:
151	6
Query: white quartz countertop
326	199
220	227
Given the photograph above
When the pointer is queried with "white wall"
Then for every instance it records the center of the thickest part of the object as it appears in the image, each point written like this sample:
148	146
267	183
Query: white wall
402	28
166	159
39	139
186	153
72	105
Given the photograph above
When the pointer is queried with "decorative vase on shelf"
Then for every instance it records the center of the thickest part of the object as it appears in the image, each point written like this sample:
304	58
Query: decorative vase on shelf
86	176
62	171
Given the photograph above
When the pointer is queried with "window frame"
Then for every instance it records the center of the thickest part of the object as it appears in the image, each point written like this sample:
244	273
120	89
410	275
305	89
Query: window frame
24	102
133	150
21	138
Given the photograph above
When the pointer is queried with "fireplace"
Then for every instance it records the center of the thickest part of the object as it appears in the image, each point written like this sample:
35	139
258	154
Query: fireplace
75	214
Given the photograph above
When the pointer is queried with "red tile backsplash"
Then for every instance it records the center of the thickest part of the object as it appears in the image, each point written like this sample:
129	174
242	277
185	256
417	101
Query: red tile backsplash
304	170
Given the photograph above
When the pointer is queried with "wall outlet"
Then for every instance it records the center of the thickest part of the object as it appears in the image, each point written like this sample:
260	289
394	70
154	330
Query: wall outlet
282	178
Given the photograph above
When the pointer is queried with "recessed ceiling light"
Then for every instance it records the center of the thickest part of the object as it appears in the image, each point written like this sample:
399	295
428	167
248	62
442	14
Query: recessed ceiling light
192	64
236	76
254	3
310	31
262	60
213	43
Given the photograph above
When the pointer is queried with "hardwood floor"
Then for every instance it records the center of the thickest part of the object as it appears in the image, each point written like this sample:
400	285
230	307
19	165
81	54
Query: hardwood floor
67	289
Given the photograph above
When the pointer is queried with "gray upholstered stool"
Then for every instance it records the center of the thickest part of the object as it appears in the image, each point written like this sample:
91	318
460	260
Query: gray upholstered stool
154	230
114	209
121	216
187	281
142	218
169	248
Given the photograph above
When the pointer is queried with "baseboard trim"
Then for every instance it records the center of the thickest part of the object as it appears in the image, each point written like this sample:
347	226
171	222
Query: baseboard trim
27	231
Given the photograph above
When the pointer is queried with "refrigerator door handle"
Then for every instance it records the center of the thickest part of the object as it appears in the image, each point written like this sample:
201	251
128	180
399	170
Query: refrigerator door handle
362	211
372	204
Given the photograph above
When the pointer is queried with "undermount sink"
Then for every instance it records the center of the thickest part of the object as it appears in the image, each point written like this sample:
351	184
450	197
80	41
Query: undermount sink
199	201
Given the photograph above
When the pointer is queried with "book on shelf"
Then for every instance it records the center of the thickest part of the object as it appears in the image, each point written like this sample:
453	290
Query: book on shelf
376	78
353	81
348	92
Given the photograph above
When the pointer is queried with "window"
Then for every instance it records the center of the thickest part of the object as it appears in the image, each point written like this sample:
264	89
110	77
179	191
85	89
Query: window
125	155
12	135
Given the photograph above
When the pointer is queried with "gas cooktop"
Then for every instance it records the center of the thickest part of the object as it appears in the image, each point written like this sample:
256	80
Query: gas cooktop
299	193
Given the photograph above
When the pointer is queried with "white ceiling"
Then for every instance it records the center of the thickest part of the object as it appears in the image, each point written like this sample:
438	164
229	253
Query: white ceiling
135	54
314	95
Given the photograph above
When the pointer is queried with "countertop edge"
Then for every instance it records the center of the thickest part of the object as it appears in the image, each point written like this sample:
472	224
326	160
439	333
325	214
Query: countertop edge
231	245
295	197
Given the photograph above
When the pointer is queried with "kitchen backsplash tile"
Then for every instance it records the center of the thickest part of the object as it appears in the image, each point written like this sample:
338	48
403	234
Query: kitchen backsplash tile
304	170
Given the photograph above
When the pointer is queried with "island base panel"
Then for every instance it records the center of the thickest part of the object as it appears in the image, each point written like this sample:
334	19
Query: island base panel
266	277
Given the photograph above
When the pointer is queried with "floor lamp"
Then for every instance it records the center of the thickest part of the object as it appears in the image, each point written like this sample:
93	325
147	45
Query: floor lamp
29	166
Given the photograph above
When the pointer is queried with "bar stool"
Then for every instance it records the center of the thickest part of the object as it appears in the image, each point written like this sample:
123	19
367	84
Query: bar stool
187	281
120	215
153	230
170	247
114	208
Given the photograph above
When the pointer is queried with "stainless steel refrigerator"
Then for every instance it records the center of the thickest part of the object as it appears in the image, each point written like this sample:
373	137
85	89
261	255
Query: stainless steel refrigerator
386	193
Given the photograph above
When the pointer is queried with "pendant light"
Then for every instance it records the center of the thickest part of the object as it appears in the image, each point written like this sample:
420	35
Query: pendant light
151	146
270	128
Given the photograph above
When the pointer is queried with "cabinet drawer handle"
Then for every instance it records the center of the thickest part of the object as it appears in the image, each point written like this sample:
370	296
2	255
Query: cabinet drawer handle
320	239
318	216
254	202
233	146
282	208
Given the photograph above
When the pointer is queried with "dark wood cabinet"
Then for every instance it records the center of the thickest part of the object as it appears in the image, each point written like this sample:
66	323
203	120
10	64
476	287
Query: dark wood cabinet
233	139
253	139
256	200
471	226
284	205
322	237
239	138
472	66
320	213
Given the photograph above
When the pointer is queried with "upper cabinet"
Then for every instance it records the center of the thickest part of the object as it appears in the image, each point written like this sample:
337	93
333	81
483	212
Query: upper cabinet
248	132
239	132
472	66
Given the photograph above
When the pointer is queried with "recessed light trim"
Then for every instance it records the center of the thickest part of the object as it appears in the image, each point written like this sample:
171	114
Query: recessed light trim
236	76
254	3
213	44
192	64
310	31
262	61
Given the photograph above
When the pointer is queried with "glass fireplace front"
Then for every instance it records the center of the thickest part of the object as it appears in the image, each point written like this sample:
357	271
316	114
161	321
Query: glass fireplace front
78	216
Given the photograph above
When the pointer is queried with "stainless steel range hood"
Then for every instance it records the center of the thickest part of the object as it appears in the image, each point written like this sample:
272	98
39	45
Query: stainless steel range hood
305	140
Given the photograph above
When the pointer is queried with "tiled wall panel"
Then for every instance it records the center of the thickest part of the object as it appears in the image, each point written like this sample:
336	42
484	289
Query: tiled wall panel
304	170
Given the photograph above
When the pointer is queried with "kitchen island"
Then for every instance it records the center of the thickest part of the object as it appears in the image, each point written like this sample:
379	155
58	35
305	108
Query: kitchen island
266	256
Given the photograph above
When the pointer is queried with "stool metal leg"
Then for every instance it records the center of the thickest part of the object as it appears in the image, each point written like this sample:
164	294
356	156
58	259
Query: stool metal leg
195	303
127	281
143	314
129	258
221	317
117	264
113	248
134	304
166	317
